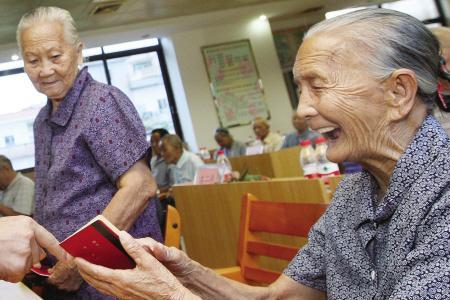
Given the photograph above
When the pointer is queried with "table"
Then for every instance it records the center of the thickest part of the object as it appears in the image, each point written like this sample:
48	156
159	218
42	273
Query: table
280	164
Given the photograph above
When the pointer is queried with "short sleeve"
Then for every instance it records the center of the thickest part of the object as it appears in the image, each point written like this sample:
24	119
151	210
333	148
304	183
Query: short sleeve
116	135
308	266
427	275
24	200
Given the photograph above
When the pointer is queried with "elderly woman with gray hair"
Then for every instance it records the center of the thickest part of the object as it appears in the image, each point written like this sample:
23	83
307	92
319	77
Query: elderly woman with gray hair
89	145
386	234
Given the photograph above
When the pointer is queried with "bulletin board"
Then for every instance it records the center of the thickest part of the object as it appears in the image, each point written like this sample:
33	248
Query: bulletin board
235	84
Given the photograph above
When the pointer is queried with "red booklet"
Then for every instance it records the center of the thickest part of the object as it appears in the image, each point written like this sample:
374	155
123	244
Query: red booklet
97	242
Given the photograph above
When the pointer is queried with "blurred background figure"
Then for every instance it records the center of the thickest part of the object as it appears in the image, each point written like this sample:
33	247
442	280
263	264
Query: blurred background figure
270	140
302	132
159	167
18	191
443	35
228	144
183	164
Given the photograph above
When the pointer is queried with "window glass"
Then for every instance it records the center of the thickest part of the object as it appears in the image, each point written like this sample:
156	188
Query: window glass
139	77
130	45
421	9
20	105
97	70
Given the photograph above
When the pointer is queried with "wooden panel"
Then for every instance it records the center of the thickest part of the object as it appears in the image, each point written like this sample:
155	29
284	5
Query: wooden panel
210	214
284	218
279	164
272	250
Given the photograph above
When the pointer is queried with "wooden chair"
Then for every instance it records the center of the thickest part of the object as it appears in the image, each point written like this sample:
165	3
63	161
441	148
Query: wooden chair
286	218
173	228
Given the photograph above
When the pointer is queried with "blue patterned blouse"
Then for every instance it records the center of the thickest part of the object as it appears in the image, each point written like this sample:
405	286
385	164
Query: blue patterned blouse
399	249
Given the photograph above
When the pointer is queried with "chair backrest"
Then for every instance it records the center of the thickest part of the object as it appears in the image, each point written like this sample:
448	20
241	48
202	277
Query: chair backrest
173	228
286	218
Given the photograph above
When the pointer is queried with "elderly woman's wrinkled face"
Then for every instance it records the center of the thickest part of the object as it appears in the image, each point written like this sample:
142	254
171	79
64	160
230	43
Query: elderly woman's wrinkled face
340	99
49	61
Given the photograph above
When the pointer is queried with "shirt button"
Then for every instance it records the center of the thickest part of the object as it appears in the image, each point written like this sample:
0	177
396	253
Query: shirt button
373	275
375	225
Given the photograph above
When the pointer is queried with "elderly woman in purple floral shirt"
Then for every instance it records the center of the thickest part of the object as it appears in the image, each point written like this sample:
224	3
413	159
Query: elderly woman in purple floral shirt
89	144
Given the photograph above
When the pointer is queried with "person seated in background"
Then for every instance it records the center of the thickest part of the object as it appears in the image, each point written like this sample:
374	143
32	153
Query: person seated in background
158	165
385	234
18	191
302	132
270	140
228	144
183	164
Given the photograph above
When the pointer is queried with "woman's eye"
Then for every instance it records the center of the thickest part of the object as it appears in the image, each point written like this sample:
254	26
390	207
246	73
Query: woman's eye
56	56
33	61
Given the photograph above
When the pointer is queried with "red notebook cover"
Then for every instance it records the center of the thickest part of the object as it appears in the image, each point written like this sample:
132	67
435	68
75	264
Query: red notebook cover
98	243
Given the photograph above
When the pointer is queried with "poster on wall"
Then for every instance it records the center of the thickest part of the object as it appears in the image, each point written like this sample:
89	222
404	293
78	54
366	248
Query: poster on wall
234	82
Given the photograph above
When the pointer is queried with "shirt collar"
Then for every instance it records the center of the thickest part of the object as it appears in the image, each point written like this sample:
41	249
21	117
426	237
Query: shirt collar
67	105
182	160
18	175
427	144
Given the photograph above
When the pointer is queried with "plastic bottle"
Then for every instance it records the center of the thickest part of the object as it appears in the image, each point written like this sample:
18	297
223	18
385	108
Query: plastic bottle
308	160
224	165
204	153
325	167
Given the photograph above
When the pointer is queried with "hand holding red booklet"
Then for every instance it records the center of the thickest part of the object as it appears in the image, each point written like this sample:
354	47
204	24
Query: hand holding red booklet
97	242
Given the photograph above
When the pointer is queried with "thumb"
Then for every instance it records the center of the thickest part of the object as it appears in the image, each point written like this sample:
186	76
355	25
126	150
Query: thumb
162	253
133	248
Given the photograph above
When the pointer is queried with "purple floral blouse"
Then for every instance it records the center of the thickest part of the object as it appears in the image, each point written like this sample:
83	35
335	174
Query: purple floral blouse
94	137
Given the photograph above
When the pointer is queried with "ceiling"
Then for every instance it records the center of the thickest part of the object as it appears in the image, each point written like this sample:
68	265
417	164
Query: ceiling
130	11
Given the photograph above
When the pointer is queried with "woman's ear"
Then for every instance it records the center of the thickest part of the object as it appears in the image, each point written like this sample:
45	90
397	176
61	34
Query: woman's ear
79	49
400	93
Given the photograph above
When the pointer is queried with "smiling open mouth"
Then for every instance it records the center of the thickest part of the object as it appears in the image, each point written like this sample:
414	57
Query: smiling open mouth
330	133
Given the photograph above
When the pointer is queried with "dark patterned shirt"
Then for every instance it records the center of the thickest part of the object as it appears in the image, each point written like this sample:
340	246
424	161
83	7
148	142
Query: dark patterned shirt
94	137
399	249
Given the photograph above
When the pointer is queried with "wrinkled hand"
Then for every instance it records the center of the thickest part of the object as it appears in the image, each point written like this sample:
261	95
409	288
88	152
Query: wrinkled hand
65	277
21	243
148	280
178	263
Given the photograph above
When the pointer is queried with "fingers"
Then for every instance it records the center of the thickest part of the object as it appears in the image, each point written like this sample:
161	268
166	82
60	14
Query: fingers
36	252
94	271
46	240
133	248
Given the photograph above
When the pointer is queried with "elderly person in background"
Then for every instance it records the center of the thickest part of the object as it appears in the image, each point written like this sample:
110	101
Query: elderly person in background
302	132
270	140
183	163
228	144
18	191
443	35
89	145
159	167
386	233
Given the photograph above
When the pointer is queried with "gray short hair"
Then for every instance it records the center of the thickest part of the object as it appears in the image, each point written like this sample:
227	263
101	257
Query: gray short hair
173	140
392	40
4	161
49	13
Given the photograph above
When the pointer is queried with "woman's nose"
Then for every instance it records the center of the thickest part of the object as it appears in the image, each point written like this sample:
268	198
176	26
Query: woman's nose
47	69
306	107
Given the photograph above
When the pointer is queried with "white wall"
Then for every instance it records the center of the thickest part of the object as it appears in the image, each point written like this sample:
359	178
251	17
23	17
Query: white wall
196	85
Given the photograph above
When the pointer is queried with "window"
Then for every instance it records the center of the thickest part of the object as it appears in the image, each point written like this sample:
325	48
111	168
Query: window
137	68
9	140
